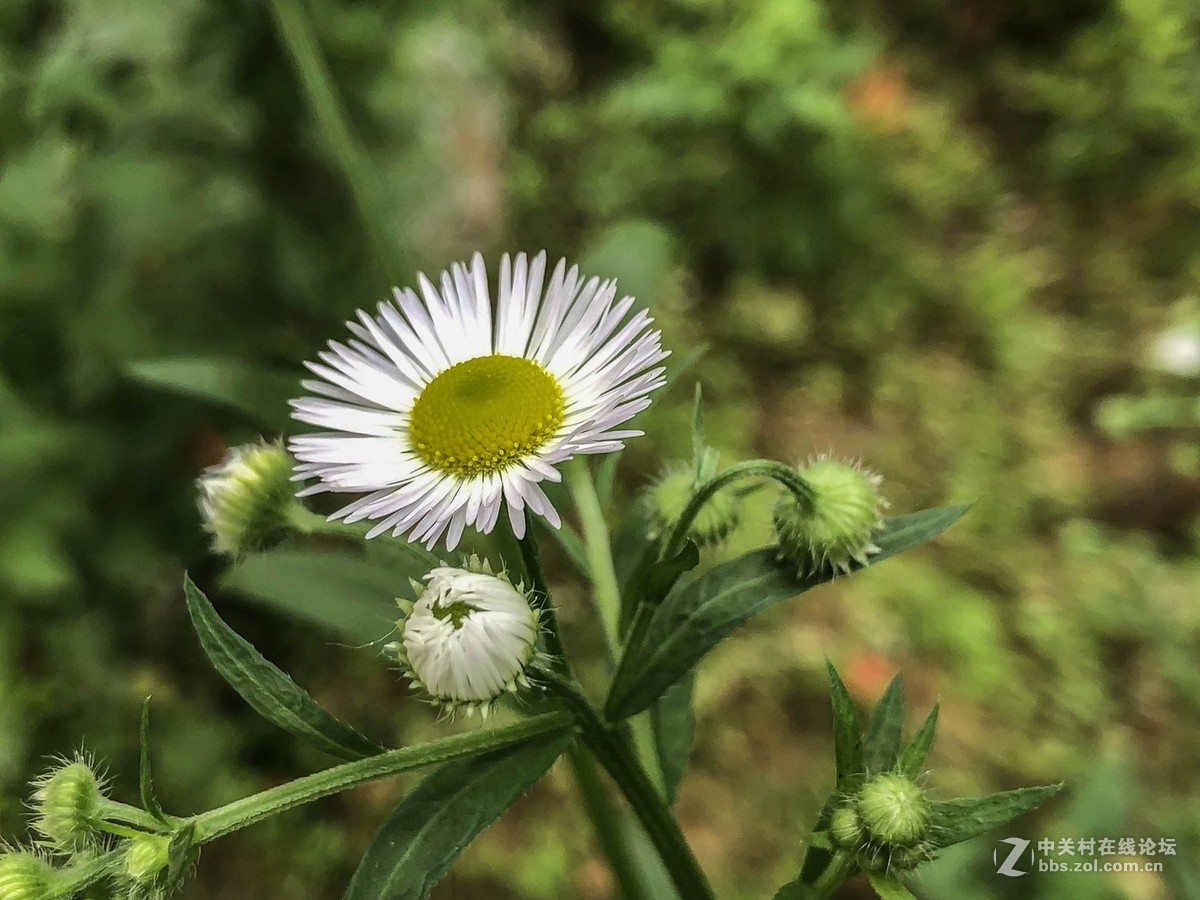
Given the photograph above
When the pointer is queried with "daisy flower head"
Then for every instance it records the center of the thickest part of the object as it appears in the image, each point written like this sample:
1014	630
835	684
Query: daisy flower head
441	409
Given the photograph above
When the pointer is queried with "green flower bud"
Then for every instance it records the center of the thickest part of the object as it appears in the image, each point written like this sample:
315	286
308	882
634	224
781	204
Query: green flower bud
666	500
832	528
247	500
845	828
26	876
147	857
903	859
894	810
67	803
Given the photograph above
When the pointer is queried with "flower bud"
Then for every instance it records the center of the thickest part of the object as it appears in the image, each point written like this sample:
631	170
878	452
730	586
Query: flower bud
246	500
26	876
833	527
470	637
146	858
666	500
894	810
845	827
67	803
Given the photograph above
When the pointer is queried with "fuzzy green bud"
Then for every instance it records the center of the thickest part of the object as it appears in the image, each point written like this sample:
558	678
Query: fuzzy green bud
147	857
67	803
669	496
845	828
894	810
247	500
834	526
26	876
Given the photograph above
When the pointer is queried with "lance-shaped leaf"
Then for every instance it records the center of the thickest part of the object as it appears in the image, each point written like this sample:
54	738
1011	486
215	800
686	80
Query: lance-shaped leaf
648	586
674	727
889	887
145	780
271	693
698	614
955	821
912	760
429	828
347	595
259	393
847	733
881	740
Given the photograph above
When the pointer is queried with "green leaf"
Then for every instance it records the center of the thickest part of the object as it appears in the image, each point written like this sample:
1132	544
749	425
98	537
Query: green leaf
912	760
182	853
820	840
847	733
888	887
347	595
271	693
145	781
816	855
954	821
429	828
261	394
881	740
697	615
648	586
674	726
797	890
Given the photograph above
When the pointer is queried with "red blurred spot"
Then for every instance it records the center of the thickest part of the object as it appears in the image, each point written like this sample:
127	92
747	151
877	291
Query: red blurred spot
867	675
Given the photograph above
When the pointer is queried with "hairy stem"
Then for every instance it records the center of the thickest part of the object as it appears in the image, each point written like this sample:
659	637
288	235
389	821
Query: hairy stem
240	813
610	829
541	599
754	468
614	753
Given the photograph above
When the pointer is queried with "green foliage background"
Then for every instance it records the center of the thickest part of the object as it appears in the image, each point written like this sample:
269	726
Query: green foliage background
934	235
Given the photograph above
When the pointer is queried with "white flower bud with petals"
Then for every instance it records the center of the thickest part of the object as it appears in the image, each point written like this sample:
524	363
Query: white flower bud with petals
470	638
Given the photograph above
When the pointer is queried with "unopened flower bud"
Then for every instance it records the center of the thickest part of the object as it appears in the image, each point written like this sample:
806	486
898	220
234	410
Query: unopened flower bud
26	876
845	827
470	638
666	500
67	802
247	499
146	857
894	810
834	526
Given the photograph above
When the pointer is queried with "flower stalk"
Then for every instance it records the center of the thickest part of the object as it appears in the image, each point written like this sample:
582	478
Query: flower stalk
248	810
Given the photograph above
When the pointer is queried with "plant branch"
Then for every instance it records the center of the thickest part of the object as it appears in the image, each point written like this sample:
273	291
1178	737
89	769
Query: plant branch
233	816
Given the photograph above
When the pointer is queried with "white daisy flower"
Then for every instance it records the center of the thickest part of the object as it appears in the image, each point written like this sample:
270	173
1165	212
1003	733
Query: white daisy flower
469	638
440	411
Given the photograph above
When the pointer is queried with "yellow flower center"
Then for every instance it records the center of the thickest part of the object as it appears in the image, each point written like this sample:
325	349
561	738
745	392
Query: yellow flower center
481	415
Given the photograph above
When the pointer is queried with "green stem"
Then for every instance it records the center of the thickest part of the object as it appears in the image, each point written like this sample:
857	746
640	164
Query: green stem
597	546
218	822
754	468
838	870
613	752
610	829
333	124
541	599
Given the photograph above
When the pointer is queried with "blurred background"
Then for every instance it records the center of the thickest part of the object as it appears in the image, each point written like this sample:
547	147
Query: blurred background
960	240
